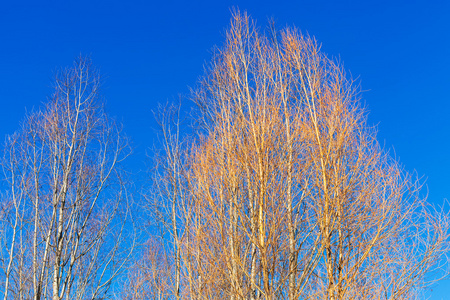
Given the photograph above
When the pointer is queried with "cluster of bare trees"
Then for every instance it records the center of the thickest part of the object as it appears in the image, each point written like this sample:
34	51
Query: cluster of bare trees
63	200
284	192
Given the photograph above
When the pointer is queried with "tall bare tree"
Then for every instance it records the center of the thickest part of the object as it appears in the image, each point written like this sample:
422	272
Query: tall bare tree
287	194
169	191
66	196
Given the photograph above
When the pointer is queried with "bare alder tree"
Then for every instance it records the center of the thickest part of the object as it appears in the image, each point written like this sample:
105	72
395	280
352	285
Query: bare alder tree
65	198
286	192
169	188
157	273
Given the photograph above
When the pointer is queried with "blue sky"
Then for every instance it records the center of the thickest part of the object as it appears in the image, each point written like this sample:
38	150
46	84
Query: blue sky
151	51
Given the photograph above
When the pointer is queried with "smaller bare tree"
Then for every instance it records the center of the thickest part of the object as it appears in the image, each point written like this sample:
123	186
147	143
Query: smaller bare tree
67	228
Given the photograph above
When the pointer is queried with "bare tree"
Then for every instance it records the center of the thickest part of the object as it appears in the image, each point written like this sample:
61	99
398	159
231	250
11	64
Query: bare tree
287	194
69	202
166	199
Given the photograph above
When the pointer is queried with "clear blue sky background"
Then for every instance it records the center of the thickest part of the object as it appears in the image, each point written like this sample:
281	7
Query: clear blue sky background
151	51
